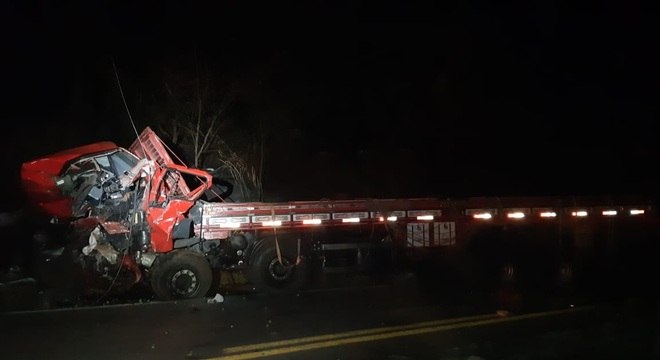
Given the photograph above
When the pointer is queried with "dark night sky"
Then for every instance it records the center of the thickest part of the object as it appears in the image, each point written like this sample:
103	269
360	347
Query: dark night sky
373	100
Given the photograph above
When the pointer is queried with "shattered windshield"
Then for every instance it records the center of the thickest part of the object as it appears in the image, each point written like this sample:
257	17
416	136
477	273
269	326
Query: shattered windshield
116	163
123	161
81	167
91	180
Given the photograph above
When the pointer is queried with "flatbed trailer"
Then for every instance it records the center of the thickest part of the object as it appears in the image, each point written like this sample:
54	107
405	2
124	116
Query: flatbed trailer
139	211
498	232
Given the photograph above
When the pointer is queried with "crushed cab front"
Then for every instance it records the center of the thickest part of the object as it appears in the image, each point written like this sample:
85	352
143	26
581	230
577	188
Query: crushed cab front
39	178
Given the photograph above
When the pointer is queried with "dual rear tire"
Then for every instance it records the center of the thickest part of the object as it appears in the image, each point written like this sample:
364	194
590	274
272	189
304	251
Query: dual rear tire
270	275
185	274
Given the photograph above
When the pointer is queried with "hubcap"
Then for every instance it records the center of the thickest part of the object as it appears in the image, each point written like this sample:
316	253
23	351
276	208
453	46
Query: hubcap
280	271
184	282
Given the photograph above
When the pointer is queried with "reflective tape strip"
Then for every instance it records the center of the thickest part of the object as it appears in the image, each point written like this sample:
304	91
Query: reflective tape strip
416	213
303	217
222	220
396	213
264	218
351	215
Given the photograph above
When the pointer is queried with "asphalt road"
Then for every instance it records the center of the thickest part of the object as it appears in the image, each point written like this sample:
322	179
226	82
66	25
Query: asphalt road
366	322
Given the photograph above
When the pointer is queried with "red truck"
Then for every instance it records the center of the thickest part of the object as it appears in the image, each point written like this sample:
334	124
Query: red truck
137	215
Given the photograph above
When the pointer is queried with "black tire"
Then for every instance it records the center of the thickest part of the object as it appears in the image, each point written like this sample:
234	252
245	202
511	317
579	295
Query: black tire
181	275
270	276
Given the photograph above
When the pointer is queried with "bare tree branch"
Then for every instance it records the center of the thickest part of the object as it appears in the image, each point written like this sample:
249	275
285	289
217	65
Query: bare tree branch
196	116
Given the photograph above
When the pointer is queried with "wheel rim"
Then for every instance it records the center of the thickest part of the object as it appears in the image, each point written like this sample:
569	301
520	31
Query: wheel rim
280	271
184	282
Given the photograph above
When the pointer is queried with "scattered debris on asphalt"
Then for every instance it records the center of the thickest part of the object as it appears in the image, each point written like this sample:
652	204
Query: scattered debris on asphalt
216	299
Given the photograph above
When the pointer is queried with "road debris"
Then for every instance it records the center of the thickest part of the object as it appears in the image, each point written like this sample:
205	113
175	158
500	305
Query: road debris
216	299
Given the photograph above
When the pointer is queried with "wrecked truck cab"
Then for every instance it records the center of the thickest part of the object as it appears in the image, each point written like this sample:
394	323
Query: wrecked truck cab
125	209
39	178
87	185
93	181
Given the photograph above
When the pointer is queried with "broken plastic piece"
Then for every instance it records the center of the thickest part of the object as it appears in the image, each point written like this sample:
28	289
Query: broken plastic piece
94	238
216	299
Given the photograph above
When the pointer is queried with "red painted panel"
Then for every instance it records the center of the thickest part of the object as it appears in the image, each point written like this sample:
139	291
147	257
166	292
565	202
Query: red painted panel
162	221
38	177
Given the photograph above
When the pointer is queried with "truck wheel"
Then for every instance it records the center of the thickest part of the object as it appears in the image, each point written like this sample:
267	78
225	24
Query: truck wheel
181	275
269	275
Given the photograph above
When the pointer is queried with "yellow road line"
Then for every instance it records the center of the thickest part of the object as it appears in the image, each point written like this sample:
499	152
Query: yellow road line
380	335
272	344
